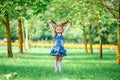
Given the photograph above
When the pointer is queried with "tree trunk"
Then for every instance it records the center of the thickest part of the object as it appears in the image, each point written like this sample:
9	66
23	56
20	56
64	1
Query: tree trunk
20	36
26	38
90	37
118	54
30	35
99	36
100	41
23	32
85	43
9	47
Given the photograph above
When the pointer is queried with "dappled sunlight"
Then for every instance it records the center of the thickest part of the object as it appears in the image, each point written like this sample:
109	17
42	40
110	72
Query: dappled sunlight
88	61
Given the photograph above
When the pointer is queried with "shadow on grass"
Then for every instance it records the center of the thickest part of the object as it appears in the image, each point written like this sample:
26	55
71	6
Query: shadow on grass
43	72
70	57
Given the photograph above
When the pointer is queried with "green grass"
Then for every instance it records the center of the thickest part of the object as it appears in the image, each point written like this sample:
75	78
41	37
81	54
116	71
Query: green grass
37	64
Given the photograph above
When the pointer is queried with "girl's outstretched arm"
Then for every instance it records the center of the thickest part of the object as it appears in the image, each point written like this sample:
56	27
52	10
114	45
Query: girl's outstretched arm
67	27
50	24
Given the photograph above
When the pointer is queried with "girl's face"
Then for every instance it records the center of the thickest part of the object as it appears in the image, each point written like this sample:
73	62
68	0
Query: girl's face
58	30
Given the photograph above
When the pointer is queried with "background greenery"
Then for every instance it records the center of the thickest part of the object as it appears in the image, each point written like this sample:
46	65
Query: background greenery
81	12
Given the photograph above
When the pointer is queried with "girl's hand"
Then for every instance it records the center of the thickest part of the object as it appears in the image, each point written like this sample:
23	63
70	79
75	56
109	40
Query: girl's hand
69	21
49	21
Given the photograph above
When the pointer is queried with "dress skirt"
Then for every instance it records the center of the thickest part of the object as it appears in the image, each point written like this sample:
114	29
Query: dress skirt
58	51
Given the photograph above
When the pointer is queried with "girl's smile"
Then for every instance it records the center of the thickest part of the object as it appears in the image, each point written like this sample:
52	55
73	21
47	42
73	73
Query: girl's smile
58	30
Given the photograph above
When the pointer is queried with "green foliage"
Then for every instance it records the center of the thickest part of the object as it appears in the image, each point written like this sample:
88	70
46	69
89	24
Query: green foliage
112	38
74	36
18	8
21	9
81	12
2	32
14	30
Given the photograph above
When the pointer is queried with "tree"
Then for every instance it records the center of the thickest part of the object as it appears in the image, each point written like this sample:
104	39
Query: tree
113	8
90	38
20	33
7	24
16	9
27	9
5	13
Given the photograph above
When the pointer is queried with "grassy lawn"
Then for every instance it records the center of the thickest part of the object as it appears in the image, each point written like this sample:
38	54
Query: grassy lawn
37	64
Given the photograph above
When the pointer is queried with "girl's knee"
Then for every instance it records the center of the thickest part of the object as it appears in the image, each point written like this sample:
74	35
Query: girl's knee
60	58
56	58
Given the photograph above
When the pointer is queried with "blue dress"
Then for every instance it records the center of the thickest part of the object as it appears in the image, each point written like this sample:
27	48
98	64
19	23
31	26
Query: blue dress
58	48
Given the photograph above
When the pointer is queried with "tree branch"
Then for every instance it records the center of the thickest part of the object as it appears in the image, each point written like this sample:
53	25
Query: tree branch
109	9
3	21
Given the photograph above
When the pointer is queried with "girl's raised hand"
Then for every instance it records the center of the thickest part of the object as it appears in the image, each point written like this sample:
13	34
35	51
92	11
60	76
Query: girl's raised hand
69	21
49	21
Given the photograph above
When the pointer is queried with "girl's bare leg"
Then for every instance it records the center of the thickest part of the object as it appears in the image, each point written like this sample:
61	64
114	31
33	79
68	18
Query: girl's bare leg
56	58
60	59
60	63
56	63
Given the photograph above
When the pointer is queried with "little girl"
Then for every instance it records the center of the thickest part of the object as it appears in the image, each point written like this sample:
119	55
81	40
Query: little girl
58	49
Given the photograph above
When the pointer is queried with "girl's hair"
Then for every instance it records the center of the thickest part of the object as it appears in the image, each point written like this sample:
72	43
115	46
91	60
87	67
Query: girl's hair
60	25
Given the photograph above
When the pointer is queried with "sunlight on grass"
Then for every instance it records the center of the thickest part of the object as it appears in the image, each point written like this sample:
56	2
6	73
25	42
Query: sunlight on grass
37	64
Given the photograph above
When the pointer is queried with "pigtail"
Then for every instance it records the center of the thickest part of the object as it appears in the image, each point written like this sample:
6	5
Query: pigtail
64	23
47	24
49	21
53	21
